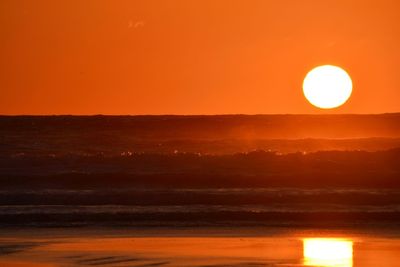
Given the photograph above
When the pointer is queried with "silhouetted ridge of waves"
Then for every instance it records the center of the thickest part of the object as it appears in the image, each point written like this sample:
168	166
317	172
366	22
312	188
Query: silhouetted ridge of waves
184	170
226	134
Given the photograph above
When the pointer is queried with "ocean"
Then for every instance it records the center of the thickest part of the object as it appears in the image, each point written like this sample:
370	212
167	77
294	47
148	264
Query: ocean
331	207
276	170
204	191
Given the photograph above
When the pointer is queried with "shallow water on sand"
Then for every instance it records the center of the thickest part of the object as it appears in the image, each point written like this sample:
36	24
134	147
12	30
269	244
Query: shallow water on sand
198	247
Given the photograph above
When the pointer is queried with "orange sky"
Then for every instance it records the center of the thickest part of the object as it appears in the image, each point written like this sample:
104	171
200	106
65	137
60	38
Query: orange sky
193	56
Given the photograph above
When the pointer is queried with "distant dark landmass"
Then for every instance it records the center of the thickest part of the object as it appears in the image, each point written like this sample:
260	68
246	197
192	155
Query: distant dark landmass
199	170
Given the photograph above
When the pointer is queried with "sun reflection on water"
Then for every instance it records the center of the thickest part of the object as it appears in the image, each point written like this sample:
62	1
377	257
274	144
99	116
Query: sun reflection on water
328	252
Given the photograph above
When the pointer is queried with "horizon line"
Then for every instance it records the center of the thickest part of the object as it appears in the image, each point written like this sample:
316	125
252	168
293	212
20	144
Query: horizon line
197	115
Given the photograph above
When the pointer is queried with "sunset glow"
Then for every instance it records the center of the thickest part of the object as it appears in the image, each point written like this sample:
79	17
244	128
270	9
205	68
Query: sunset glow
328	252
193	57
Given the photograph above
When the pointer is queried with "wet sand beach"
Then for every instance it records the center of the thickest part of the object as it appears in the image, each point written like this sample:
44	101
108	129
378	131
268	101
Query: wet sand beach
198	247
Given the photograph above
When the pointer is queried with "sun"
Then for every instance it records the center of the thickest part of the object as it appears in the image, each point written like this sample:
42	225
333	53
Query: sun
327	86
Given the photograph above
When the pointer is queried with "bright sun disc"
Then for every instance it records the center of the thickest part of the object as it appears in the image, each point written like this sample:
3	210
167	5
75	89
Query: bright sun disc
327	86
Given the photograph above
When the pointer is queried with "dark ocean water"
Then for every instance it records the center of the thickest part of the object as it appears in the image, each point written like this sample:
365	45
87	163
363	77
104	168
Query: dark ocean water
220	170
203	207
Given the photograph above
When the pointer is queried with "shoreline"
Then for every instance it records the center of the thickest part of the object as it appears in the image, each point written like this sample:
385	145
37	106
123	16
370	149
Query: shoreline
203	231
